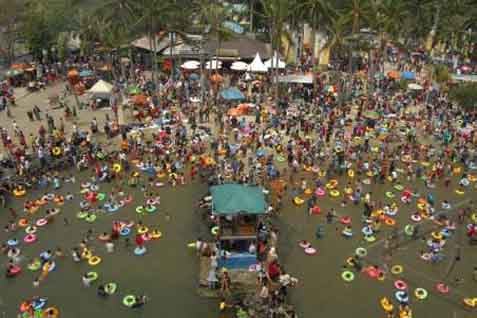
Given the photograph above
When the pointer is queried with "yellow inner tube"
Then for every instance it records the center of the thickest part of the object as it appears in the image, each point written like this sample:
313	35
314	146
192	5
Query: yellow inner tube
52	312
94	260
334	193
386	304
19	192
156	234
350	173
437	235
308	191
142	230
397	269
298	201
348	190
117	167
471	302
472	178
86	254
460	192
56	151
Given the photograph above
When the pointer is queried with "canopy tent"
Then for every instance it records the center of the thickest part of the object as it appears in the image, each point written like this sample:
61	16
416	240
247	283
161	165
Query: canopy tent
239	66
232	93
101	89
393	74
214	64
230	199
297	79
257	65
275	62
190	65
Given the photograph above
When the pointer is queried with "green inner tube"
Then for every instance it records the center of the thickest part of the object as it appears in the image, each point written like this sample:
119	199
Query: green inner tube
389	194
140	209
110	288
398	187
129	300
409	230
101	196
81	215
92	275
420	293
347	276
151	209
280	158
35	265
91	218
214	230
370	238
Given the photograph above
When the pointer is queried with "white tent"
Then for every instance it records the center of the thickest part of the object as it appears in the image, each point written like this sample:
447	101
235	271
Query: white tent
214	64
257	65
239	66
101	89
275	62
191	65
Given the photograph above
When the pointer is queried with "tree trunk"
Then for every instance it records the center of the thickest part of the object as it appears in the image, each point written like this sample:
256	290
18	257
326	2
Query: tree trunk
251	15
131	64
152	57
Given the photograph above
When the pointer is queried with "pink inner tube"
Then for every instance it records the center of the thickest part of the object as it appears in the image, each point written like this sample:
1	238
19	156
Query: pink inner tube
316	210
416	218
372	272
304	244
15	270
310	251
90	196
401	285
426	256
345	220
442	288
41	222
146	237
320	192
30	238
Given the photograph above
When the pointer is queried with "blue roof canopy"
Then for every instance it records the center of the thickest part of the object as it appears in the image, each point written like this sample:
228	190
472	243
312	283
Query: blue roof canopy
230	199
232	93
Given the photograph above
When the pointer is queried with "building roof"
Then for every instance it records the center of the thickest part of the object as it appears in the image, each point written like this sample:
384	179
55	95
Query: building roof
245	47
230	199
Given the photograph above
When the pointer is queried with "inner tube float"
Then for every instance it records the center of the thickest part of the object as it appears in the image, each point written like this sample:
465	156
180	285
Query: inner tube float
41	222
310	251
367	230
442	288
140	250
151	209
81	215
400	284
426	256
54	211
397	269
29	238
104	237
409	230
348	190
129	301
34	265
398	187
459	191
56	151
146	237
333	183
117	168
69	197
94	260
420	293
298	201
402	296
347	276
437	236
347	232
86	254
19	192
350	173
140	209
101	196
52	312
91	218
334	193
215	230
361	252
320	192
308	191
470	302
31	229
94	187
386	304
12	242
390	195
156	234
346	220
60	200
370	238
304	244
23	222
389	221
142	230
92	276
84	204
125	231
415	217
49	266
113	208
110	288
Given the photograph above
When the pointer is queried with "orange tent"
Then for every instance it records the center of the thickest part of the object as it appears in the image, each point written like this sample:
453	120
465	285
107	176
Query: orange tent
394	74
235	112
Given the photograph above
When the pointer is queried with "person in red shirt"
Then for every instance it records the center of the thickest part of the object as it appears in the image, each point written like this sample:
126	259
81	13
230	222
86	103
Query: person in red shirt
274	270
139	240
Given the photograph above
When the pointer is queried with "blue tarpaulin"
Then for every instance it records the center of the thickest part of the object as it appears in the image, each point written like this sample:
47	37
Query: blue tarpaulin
86	73
229	199
232	93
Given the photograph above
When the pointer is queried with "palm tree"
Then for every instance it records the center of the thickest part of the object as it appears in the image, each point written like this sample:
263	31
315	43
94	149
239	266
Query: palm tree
277	13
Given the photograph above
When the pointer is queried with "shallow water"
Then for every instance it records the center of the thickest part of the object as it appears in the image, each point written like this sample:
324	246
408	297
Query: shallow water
167	274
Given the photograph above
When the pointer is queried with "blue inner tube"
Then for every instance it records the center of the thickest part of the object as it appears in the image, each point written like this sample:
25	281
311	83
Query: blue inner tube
113	208
140	251
402	296
12	242
151	209
367	230
125	231
39	304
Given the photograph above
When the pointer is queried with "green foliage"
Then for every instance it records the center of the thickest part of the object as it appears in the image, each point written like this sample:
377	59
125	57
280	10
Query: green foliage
464	95
440	73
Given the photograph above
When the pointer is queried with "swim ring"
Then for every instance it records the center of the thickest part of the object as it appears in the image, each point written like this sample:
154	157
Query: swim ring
129	301
347	276
138	251
94	260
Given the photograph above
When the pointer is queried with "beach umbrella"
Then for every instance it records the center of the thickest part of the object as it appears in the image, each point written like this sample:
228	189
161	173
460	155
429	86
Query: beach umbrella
408	75
414	87
232	93
190	65
239	66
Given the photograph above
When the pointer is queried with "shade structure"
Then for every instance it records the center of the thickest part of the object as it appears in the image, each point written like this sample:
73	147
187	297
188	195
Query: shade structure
232	93
239	66
414	87
190	65
257	65
232	199
101	89
214	64
408	75
86	73
275	62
